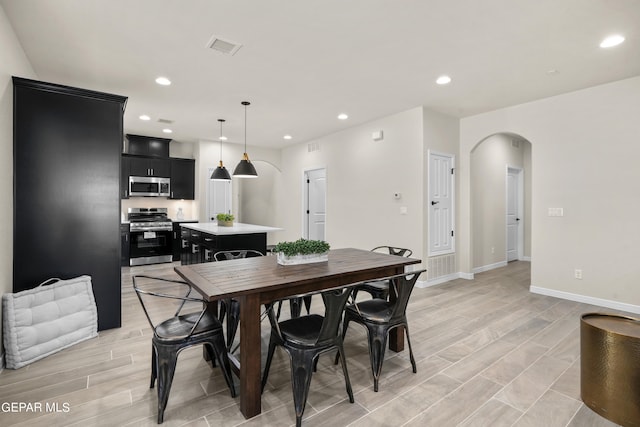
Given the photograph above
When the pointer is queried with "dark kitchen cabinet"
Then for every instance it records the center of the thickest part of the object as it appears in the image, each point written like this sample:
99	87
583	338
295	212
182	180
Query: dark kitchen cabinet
124	245
182	178
201	247
149	166
125	171
195	247
67	172
180	239
185	247
148	146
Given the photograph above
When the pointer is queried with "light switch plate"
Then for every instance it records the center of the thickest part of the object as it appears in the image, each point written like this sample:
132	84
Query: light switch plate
556	212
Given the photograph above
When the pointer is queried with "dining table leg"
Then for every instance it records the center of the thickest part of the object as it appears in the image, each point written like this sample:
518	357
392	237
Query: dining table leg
250	353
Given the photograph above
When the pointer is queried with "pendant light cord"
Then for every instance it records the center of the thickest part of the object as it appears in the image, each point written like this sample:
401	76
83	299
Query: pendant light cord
245	103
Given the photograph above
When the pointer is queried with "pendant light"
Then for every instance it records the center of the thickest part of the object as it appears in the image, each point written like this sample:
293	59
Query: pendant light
245	169
221	173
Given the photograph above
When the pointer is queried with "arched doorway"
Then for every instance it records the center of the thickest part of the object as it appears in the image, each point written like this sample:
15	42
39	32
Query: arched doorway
500	172
257	198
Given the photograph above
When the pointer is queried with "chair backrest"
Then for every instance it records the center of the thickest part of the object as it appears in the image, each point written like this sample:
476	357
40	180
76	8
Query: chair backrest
334	302
403	285
393	250
236	254
163	288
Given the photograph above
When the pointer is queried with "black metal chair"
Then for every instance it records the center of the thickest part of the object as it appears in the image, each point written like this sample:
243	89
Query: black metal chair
380	288
379	316
230	308
178	332
304	339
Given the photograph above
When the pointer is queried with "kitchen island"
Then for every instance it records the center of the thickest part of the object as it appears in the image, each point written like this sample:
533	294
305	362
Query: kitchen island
199	241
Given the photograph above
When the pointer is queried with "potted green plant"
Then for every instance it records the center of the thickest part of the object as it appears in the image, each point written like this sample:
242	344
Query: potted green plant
225	220
302	251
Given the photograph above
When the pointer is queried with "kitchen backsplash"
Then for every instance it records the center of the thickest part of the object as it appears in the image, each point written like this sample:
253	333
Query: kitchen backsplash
189	207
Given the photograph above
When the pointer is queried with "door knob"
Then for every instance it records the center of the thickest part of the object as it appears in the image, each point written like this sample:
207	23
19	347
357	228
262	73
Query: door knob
434	203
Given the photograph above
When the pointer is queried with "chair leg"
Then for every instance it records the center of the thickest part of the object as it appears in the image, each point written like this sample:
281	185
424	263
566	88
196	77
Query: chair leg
220	351
345	325
346	373
265	375
413	361
377	346
301	370
223	309
167	358
233	320
307	303
154	366
295	307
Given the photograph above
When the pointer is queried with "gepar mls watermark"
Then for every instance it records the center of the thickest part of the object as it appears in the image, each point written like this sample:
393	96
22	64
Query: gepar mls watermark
35	407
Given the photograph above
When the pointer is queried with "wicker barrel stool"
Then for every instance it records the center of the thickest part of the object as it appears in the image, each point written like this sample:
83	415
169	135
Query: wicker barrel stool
610	366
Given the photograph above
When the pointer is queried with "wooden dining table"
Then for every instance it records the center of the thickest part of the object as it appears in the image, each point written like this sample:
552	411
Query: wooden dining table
259	280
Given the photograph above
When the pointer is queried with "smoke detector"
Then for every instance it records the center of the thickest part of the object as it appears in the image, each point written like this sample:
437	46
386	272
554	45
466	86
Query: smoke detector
223	46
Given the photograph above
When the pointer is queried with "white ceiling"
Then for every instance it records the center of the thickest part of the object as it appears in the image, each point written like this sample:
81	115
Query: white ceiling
304	61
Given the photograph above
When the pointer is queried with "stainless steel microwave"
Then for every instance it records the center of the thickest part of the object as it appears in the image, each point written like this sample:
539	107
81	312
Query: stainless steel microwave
149	186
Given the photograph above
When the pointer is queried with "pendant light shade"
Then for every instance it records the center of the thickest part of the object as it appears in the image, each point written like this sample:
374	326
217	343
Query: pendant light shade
221	173
245	169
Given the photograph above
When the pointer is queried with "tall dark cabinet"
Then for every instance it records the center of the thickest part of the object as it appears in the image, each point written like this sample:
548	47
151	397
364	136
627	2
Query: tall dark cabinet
67	146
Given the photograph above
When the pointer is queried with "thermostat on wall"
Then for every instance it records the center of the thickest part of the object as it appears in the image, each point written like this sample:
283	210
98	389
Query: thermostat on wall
377	135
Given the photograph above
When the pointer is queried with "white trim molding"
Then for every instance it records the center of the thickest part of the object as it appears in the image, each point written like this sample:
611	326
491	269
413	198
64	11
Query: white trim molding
586	299
489	267
443	279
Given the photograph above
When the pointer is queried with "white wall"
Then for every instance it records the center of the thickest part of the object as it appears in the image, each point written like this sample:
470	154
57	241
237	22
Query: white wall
362	176
585	152
13	63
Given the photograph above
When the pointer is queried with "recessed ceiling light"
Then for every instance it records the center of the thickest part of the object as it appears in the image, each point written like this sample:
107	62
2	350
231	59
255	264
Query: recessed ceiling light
144	117
443	80
163	81
611	41
222	138
167	130
287	137
343	116
552	72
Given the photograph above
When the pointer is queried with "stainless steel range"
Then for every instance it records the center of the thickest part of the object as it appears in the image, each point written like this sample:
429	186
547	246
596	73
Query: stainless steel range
151	234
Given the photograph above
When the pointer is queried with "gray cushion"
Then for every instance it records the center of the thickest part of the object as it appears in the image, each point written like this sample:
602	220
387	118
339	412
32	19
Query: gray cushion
41	321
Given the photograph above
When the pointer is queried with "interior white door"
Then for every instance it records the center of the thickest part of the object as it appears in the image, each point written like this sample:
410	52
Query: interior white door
513	214
219	198
441	207
316	197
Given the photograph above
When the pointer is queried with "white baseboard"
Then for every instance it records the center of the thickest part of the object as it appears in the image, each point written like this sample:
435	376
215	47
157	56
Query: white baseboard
490	267
443	279
525	258
586	299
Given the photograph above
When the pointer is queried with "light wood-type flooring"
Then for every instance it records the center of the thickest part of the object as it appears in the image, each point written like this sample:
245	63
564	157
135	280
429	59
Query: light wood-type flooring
489	353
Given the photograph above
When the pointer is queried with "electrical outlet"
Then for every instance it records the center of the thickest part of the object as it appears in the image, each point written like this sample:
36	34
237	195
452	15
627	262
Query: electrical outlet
493	250
577	274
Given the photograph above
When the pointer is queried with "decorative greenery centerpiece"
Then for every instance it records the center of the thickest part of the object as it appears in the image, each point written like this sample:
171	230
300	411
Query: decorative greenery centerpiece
225	220
302	251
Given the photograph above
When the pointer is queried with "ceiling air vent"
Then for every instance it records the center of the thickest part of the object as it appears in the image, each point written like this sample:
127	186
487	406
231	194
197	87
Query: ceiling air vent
223	46
165	121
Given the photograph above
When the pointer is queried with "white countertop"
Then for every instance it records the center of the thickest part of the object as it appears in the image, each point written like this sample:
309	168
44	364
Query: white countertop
238	228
